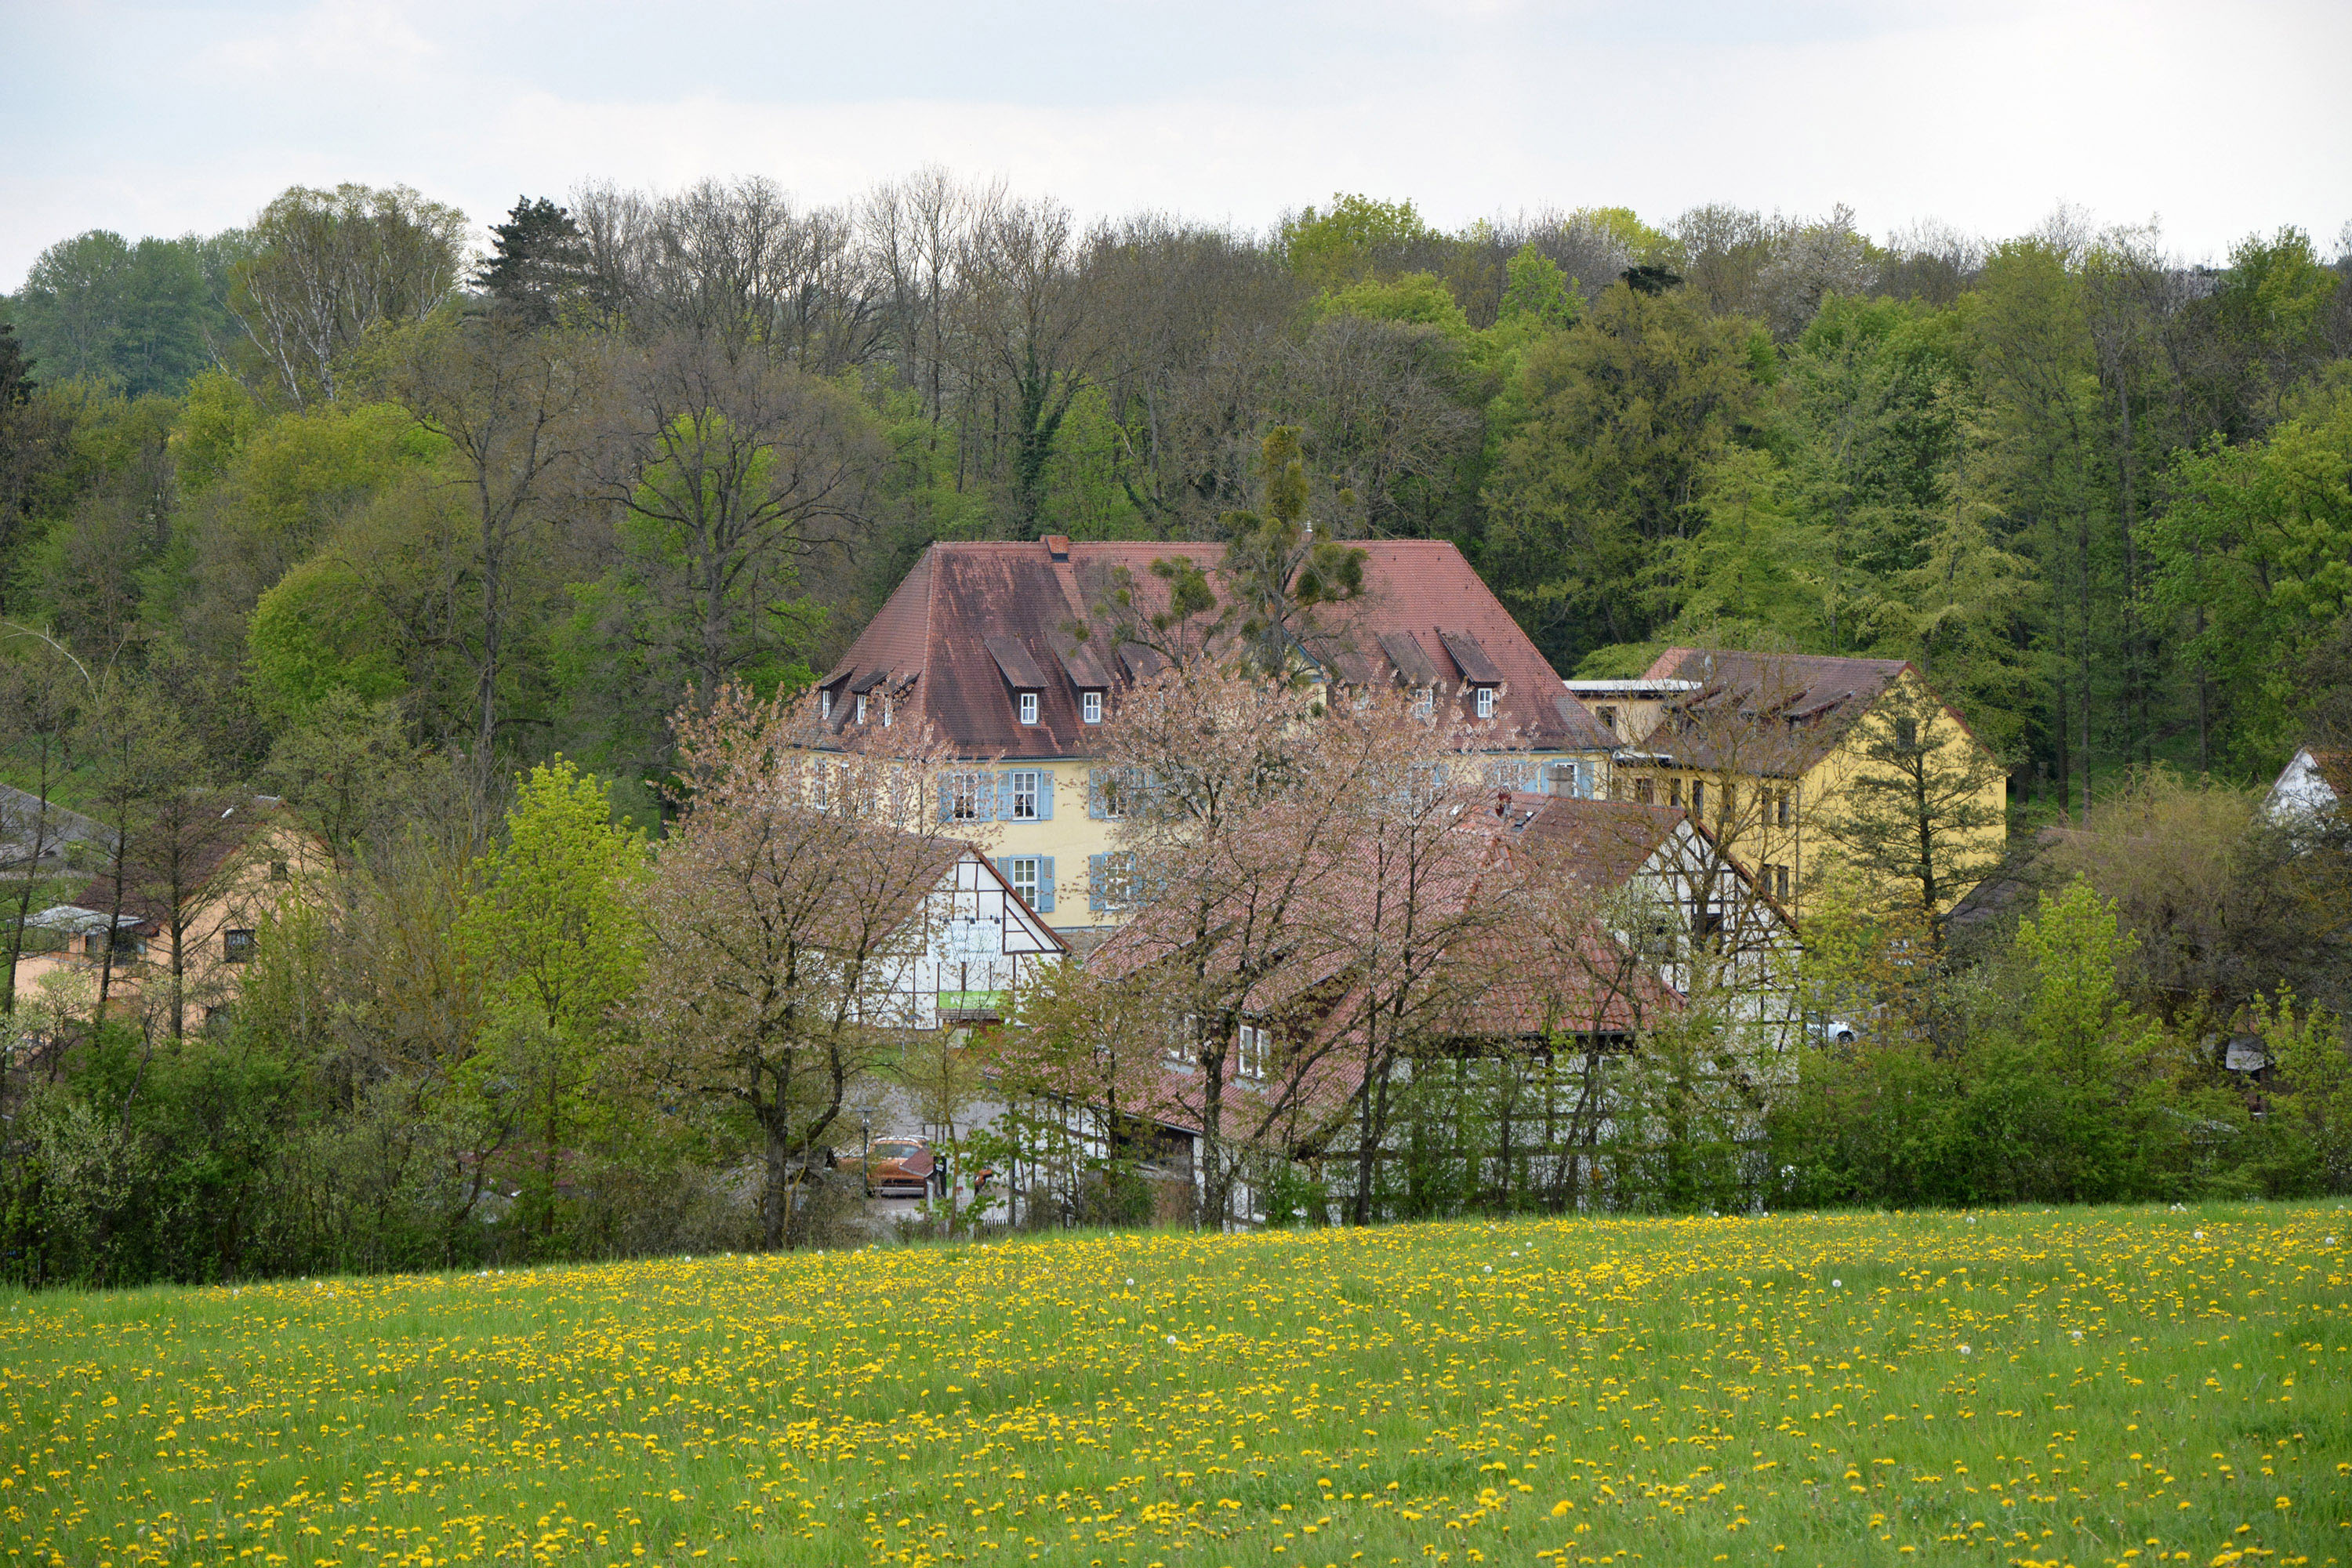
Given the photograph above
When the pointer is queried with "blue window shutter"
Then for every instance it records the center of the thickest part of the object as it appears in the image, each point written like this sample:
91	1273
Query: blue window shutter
1094	794
1004	801
947	797
1095	877
1044	884
1045	795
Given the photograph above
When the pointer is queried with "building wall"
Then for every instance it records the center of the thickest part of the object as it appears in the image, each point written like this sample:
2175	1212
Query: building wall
1072	838
1762	844
238	896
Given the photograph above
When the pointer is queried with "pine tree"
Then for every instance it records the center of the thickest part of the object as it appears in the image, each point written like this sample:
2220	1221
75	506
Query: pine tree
535	261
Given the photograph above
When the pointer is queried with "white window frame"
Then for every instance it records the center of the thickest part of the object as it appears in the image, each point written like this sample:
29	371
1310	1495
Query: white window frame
1029	707
861	708
1090	707
1484	702
1021	871
1424	701
968	795
1251	1050
1026	784
824	703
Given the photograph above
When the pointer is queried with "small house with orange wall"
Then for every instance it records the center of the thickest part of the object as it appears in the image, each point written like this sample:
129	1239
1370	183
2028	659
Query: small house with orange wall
183	907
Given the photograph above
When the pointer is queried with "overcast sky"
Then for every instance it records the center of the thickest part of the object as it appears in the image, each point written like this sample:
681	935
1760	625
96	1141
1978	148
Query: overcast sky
2220	117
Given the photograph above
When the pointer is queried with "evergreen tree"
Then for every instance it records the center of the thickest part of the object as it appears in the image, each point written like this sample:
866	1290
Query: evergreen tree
535	261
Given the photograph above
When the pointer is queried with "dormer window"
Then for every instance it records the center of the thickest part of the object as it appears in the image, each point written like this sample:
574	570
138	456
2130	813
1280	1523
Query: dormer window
1608	717
1484	702
824	703
1028	707
1424	701
861	708
1091	707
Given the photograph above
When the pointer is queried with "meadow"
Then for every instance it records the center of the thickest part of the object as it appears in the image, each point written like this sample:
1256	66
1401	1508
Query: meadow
2076	1386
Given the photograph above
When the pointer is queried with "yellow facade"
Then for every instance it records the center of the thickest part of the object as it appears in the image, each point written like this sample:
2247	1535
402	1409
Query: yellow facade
1061	848
1786	850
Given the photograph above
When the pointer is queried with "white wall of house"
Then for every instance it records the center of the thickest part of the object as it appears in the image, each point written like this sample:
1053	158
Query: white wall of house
972	946
2301	792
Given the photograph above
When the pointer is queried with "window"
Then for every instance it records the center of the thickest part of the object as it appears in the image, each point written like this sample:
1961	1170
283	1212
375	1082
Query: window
1255	1046
1698	797
1028	707
1906	732
1486	702
1091	707
1111	881
1112	792
237	946
1782	813
968	796
1571	779
277	871
1673	792
1023	869
824	703
1024	796
1608	717
1780	882
861	708
1424	701
1646	791
886	712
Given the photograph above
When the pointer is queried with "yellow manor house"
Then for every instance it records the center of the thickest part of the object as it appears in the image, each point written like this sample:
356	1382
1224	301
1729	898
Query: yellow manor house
1762	749
982	641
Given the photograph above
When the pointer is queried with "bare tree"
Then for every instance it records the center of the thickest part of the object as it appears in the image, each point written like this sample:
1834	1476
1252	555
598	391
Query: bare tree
1227	838
514	407
1028	338
732	471
780	904
36	719
1205	321
328	265
915	233
1382	423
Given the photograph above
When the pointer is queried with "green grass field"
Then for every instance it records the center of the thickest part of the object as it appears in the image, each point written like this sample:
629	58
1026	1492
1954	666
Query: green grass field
2076	1386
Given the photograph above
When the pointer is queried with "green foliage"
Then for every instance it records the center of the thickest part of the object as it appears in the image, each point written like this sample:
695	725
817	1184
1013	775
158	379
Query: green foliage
1537	293
1418	299
1627	412
1356	238
144	317
556	937
1090	480
2055	1091
217	419
1921	811
2309	1127
303	469
1279	569
2258	545
321	630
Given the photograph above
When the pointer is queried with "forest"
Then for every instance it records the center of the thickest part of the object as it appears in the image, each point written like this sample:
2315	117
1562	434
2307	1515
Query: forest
365	507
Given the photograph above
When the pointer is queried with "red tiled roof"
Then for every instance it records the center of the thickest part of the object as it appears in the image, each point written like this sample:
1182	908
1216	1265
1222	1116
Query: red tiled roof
2336	768
948	634
1814	697
205	842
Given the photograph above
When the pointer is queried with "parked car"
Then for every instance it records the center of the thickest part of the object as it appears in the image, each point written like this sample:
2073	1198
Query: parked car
895	1167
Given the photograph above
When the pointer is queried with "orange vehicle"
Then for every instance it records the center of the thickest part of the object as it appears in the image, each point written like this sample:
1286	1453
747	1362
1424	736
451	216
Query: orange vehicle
897	1167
